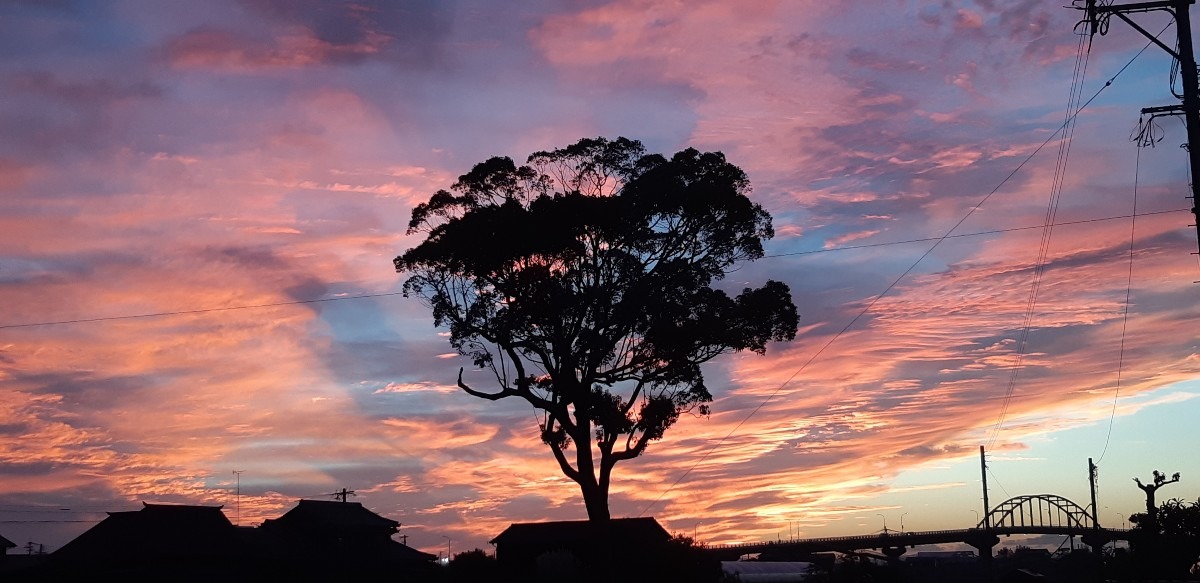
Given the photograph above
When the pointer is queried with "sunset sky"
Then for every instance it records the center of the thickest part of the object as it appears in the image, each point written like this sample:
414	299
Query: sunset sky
206	159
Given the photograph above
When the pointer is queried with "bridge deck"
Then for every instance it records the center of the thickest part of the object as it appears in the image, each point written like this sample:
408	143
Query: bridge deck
909	539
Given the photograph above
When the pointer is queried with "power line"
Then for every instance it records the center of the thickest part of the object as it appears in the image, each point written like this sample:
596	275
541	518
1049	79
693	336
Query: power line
948	235
975	234
938	241
199	311
1068	129
62	508
53	511
771	256
1125	318
1067	125
46	521
810	360
997	481
1056	186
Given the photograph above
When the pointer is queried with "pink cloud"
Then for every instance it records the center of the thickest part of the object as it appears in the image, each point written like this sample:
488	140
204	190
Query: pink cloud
302	191
14	175
966	19
848	238
223	50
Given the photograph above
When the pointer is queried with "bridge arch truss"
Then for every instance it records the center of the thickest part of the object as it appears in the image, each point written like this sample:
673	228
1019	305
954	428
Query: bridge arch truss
1037	510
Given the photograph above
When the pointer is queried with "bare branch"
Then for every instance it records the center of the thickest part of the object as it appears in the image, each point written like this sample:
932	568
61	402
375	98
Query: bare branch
563	464
506	392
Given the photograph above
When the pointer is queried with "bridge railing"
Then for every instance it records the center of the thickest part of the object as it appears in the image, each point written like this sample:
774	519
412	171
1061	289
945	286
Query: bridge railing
910	537
1031	514
852	538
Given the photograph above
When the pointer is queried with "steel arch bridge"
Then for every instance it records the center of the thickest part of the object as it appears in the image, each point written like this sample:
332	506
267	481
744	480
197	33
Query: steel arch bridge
1038	510
1032	514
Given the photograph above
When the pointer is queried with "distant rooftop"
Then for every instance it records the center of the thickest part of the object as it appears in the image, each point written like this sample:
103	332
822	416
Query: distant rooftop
335	515
573	530
164	529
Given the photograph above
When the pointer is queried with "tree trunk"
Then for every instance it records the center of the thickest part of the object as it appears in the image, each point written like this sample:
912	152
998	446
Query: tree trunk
1151	511
595	496
596	501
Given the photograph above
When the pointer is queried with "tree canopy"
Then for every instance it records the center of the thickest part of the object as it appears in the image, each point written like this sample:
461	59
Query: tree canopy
583	280
1166	542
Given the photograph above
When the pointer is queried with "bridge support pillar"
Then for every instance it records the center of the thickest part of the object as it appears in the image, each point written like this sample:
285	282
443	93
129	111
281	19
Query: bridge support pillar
893	553
983	542
1097	540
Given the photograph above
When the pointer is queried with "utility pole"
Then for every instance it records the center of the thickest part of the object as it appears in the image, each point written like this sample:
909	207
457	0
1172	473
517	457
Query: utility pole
987	509
1097	18
1092	469
344	494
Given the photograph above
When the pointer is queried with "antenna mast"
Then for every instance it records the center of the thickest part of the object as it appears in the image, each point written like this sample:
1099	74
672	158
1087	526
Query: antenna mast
237	513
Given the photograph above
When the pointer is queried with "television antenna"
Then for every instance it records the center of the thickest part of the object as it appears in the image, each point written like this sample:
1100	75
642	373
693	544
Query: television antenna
237	513
343	494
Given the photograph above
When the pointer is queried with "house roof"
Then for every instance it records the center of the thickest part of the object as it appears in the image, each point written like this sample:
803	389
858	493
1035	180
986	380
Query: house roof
156	529
403	553
161	534
327	514
636	529
6	544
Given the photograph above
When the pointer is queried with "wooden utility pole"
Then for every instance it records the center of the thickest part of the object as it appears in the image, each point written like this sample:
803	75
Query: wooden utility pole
1097	19
1092	469
987	509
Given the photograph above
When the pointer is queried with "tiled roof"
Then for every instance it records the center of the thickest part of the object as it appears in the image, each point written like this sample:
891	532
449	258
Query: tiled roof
335	515
564	531
156	529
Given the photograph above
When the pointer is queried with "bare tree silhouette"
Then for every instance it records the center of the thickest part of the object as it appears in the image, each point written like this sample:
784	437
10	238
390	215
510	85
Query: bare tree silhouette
1160	480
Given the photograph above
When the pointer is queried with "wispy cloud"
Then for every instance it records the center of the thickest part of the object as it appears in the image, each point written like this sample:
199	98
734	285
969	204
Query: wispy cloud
262	152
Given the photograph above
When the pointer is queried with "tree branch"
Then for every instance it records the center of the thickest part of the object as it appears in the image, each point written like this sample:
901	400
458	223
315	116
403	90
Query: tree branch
506	392
633	397
629	452
563	464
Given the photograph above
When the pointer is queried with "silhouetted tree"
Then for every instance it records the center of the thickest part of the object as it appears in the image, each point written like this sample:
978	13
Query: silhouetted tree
681	560
473	565
1160	480
1168	544
583	281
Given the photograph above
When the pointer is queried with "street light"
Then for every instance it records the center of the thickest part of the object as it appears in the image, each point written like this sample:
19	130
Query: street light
884	522
977	519
696	532
447	548
1118	514
902	523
